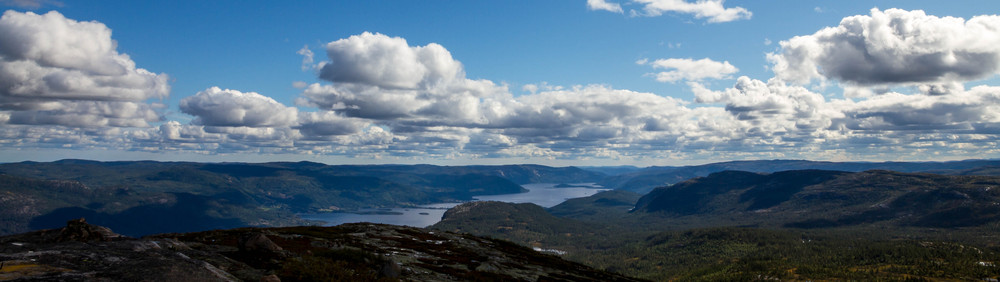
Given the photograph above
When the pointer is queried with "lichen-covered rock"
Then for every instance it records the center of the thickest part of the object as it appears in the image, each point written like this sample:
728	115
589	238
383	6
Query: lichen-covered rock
363	252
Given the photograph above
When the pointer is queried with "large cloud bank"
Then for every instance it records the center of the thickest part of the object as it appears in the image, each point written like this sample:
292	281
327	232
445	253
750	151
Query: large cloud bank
894	47
383	97
58	71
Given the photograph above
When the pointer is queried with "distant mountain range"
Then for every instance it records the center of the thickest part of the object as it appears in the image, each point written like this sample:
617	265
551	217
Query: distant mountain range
146	197
644	180
187	196
819	198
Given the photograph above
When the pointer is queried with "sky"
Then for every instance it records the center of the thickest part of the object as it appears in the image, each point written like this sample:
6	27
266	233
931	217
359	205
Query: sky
588	82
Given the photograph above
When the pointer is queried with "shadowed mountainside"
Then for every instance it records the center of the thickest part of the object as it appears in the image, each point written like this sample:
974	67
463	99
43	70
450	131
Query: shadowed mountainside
815	198
607	205
644	180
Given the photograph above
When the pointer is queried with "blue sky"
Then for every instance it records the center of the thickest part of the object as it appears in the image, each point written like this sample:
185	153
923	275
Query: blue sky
550	82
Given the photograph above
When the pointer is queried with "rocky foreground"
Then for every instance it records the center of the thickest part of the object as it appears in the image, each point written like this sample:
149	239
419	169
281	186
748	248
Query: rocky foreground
354	252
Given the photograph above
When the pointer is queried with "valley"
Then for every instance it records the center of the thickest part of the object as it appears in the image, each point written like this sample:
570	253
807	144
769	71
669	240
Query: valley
937	221
184	197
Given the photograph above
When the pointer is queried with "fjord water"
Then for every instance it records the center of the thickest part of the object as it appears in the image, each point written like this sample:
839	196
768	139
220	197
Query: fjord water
542	194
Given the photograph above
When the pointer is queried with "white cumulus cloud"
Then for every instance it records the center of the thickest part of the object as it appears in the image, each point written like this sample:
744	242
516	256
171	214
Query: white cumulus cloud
595	5
225	107
380	77
388	62
327	123
690	69
55	70
712	10
88	114
894	47
307	57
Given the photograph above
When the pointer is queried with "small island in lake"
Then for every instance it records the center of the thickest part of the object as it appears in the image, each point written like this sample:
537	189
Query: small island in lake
565	185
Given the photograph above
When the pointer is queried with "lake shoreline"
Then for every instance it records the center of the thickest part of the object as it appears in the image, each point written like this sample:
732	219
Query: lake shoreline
542	194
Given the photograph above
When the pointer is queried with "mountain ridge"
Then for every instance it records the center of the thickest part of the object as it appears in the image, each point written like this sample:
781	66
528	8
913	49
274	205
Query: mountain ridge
189	196
815	198
223	195
644	180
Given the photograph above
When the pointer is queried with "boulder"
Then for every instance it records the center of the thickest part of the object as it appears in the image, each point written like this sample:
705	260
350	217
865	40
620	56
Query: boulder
80	230
257	242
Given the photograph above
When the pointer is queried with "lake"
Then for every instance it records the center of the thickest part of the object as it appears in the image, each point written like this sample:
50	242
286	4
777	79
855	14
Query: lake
545	195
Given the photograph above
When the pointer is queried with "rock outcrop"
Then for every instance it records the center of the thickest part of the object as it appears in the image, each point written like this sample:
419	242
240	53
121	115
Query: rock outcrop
257	242
79	230
85	252
364	252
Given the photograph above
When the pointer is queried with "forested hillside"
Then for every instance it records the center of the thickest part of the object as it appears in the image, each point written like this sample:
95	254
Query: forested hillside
644	180
148	197
790	225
